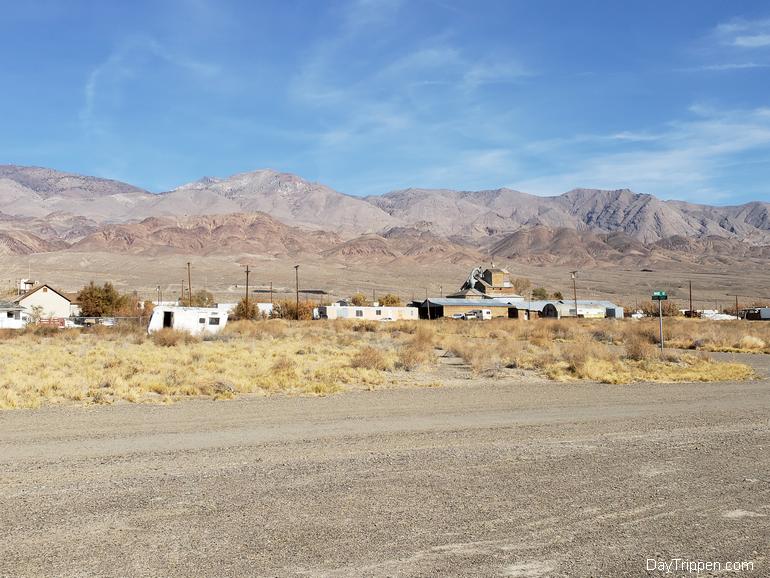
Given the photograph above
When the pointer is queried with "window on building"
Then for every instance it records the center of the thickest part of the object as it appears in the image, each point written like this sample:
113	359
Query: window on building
202	320
378	312
359	313
45	289
213	320
10	314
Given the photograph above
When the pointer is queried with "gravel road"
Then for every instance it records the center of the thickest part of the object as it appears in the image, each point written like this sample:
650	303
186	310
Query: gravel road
502	479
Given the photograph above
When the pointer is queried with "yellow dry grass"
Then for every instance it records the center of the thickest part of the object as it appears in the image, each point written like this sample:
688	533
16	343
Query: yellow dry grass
105	365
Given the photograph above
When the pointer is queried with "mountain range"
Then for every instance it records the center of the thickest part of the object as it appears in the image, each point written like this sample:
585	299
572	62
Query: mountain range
270	213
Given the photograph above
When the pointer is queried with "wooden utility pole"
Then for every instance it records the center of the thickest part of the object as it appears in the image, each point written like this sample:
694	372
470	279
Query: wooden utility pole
189	284
737	315
296	280
247	287
271	292
691	311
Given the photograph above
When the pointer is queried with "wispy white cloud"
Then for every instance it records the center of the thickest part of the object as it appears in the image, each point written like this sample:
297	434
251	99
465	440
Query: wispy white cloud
409	94
360	14
127	62
744	33
685	160
728	66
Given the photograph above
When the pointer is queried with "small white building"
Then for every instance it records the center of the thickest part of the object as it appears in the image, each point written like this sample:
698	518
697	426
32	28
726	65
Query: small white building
52	303
193	320
374	313
12	316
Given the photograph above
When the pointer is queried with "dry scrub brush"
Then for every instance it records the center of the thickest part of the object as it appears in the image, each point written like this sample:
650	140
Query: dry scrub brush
104	365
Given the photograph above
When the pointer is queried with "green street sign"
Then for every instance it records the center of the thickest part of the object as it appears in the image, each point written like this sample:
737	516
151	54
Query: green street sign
659	296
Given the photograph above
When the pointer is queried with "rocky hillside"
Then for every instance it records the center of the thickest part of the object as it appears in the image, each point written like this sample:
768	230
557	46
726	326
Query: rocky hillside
37	192
643	217
256	233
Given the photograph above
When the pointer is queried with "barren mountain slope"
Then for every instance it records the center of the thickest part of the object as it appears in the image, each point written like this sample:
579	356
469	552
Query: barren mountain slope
36	192
643	217
22	243
471	213
214	234
405	244
285	197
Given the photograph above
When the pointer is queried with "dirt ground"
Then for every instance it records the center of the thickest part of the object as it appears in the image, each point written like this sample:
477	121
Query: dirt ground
508	478
713	286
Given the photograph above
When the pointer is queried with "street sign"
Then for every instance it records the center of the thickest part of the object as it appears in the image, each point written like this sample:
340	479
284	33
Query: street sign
660	297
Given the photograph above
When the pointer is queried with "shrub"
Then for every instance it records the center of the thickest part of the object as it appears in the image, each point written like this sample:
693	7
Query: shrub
287	309
244	310
390	300
368	326
171	337
539	293
284	365
201	298
370	358
359	300
751	342
638	348
411	357
669	308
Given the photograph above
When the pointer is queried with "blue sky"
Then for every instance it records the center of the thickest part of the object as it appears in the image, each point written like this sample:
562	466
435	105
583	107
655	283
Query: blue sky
367	96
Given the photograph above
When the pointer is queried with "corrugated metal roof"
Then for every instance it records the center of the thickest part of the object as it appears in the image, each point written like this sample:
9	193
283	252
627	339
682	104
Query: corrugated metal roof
474	303
8	305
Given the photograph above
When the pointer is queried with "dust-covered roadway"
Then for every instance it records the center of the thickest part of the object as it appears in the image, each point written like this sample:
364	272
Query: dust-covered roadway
499	479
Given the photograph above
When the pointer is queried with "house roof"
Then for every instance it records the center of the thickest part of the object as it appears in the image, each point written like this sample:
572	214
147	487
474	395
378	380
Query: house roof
474	303
9	305
539	305
37	288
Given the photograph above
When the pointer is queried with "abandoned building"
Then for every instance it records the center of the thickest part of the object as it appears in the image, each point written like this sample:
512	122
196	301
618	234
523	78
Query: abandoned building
488	283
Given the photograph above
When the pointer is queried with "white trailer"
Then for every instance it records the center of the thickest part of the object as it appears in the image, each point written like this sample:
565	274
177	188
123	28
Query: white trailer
193	320
483	314
368	313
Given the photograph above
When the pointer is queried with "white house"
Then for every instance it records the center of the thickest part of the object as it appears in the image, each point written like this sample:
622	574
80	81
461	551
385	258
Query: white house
193	320
52	303
12	316
375	313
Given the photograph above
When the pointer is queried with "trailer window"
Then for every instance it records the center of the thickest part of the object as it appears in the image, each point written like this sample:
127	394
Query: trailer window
378	312
213	320
359	313
10	314
202	320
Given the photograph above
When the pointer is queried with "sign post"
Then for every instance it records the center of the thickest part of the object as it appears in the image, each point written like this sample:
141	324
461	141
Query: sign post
660	297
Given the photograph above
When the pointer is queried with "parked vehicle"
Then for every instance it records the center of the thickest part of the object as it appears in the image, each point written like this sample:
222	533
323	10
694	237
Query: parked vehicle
483	314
